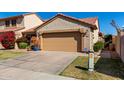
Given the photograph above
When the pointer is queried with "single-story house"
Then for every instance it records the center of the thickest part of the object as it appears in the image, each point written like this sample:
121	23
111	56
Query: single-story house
65	33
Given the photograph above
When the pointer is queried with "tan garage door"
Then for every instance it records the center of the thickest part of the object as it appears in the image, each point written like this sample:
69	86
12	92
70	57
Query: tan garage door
62	41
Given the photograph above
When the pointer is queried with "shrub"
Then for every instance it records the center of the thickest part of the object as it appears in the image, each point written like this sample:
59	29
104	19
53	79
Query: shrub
8	40
98	46
23	45
22	39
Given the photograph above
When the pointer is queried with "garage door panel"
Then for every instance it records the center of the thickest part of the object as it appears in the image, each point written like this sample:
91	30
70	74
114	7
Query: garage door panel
61	41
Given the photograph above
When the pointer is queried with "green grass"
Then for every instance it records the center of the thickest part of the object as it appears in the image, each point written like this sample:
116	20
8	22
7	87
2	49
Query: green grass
105	69
9	54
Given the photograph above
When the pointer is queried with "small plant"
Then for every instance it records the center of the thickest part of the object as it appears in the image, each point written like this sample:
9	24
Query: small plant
22	39
98	46
23	45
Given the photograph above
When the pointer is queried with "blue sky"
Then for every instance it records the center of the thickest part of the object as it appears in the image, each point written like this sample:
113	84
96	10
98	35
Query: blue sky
104	18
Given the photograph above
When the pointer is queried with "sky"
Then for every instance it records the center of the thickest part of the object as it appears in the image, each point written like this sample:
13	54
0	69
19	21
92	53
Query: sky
104	18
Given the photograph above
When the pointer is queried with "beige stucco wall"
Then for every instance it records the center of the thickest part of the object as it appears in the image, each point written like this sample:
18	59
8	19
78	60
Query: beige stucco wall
87	40
120	44
19	23
29	21
117	45
122	47
96	33
2	25
62	24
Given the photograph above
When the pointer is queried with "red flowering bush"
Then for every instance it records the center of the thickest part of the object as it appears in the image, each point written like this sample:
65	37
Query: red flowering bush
8	40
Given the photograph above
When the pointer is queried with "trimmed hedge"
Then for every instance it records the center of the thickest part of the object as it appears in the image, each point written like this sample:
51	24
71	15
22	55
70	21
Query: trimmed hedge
23	45
98	46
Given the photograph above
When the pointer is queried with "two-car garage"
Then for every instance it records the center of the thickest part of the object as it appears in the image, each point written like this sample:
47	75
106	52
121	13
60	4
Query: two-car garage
62	41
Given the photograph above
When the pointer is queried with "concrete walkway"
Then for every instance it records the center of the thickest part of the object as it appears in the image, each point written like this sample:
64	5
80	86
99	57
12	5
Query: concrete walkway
109	54
12	73
105	54
37	65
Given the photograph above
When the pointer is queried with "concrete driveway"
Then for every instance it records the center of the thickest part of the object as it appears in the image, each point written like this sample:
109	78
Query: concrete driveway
46	62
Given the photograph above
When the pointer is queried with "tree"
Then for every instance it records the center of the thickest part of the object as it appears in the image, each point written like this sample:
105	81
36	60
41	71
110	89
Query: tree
108	39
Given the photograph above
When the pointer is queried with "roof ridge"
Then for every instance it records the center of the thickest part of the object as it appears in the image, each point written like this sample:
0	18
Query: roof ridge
89	17
73	18
29	13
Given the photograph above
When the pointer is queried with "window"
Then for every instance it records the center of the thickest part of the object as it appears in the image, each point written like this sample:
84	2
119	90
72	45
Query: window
7	23
13	22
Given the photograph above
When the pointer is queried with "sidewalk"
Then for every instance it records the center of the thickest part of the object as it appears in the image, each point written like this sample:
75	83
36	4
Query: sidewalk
105	54
109	54
12	73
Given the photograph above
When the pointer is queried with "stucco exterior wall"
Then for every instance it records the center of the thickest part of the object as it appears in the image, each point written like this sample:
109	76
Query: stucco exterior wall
19	23
61	23
87	41
2	25
117	45
96	33
29	21
120	45
91	40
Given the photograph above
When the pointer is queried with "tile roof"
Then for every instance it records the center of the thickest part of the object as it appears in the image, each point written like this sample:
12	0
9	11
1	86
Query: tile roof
17	16
12	17
89	20
79	20
11	29
69	17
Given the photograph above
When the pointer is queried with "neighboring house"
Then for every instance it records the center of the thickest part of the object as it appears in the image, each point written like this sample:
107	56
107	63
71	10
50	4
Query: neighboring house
120	43
64	33
20	23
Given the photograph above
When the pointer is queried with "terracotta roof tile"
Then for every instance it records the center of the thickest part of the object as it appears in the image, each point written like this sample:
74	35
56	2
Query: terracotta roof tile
93	25
76	19
89	20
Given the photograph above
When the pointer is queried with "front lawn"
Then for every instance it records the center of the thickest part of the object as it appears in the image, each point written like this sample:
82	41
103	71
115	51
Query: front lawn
105	69
9	54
